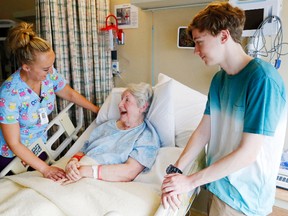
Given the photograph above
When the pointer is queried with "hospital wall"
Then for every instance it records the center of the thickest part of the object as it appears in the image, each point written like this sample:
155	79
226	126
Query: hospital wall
148	52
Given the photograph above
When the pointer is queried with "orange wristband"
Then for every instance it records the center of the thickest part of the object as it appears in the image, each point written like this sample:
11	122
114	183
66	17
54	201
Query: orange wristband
99	172
78	157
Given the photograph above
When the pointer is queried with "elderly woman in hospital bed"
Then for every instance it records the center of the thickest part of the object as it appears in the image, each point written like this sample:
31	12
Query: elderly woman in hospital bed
174	112
123	148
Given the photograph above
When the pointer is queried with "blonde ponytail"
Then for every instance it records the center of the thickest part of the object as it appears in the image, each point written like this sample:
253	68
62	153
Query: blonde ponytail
22	42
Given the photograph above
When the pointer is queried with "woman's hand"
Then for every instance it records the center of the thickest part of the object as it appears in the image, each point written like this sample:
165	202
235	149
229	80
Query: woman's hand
54	173
84	171
72	170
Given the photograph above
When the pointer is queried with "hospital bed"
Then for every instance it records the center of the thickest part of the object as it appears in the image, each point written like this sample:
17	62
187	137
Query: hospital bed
175	112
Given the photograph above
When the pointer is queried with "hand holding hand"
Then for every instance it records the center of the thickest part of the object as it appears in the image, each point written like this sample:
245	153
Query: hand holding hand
72	170
174	201
54	173
172	187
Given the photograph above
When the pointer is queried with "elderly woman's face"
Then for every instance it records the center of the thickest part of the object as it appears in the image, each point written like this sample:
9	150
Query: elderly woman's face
130	113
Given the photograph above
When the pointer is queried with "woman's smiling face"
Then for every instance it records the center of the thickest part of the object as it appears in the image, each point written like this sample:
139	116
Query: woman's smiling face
42	65
130	113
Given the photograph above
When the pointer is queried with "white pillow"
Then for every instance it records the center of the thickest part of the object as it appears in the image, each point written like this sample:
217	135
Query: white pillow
166	156
181	139
161	112
109	109
189	106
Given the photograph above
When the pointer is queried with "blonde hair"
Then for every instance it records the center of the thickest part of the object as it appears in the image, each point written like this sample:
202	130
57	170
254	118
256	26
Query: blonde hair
143	93
22	42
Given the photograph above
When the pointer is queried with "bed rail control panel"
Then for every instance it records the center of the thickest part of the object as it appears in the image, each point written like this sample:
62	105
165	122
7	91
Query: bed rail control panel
282	179
65	126
36	149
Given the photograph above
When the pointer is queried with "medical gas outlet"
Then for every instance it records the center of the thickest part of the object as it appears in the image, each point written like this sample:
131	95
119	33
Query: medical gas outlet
115	67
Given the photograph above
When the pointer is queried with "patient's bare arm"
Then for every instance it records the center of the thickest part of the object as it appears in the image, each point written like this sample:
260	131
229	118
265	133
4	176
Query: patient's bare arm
121	172
118	172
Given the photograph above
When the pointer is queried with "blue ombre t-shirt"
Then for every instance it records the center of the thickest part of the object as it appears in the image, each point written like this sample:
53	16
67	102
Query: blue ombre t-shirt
252	101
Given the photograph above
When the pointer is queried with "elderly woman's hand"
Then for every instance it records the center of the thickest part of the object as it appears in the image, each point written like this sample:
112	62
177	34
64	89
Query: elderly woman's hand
72	170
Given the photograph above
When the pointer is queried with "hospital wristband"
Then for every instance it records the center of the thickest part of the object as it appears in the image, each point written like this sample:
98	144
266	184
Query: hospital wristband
99	172
78	157
95	172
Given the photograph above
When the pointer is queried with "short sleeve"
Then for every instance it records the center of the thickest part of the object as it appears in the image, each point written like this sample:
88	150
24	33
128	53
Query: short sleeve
58	80
9	103
147	146
207	107
265	104
213	94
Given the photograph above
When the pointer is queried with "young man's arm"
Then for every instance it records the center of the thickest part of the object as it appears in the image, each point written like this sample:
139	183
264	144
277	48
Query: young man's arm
195	145
241	157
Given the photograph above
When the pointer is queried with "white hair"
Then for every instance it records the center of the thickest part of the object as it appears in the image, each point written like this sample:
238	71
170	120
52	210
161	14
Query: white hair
143	93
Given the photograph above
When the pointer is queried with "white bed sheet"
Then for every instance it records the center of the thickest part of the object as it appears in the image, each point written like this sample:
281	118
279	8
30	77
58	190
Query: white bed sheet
31	194
150	181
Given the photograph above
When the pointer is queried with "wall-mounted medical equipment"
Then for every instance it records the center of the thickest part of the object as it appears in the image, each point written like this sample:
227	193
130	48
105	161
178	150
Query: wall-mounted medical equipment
282	177
257	12
114	36
262	21
183	39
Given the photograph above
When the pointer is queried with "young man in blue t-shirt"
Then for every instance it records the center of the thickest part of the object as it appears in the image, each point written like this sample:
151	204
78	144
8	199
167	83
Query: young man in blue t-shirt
244	122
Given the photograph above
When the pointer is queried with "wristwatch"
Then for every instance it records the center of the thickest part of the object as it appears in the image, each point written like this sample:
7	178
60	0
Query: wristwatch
173	169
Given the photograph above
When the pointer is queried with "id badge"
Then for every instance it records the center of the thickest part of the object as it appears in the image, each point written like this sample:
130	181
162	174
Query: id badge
43	116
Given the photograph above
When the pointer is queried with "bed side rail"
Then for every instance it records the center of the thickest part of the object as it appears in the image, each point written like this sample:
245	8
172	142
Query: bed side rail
187	199
62	125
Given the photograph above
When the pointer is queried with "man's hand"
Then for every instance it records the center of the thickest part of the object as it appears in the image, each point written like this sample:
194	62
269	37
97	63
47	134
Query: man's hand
172	187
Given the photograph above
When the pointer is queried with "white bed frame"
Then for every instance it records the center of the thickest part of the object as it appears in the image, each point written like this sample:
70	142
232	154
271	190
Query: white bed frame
65	126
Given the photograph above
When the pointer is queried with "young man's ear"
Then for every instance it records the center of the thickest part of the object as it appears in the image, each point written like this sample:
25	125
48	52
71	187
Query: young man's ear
225	34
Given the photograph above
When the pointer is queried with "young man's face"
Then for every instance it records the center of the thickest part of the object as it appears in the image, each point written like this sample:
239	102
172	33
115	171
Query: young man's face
208	47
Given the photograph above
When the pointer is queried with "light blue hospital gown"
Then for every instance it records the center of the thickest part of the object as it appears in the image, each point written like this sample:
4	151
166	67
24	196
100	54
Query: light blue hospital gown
109	145
19	103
